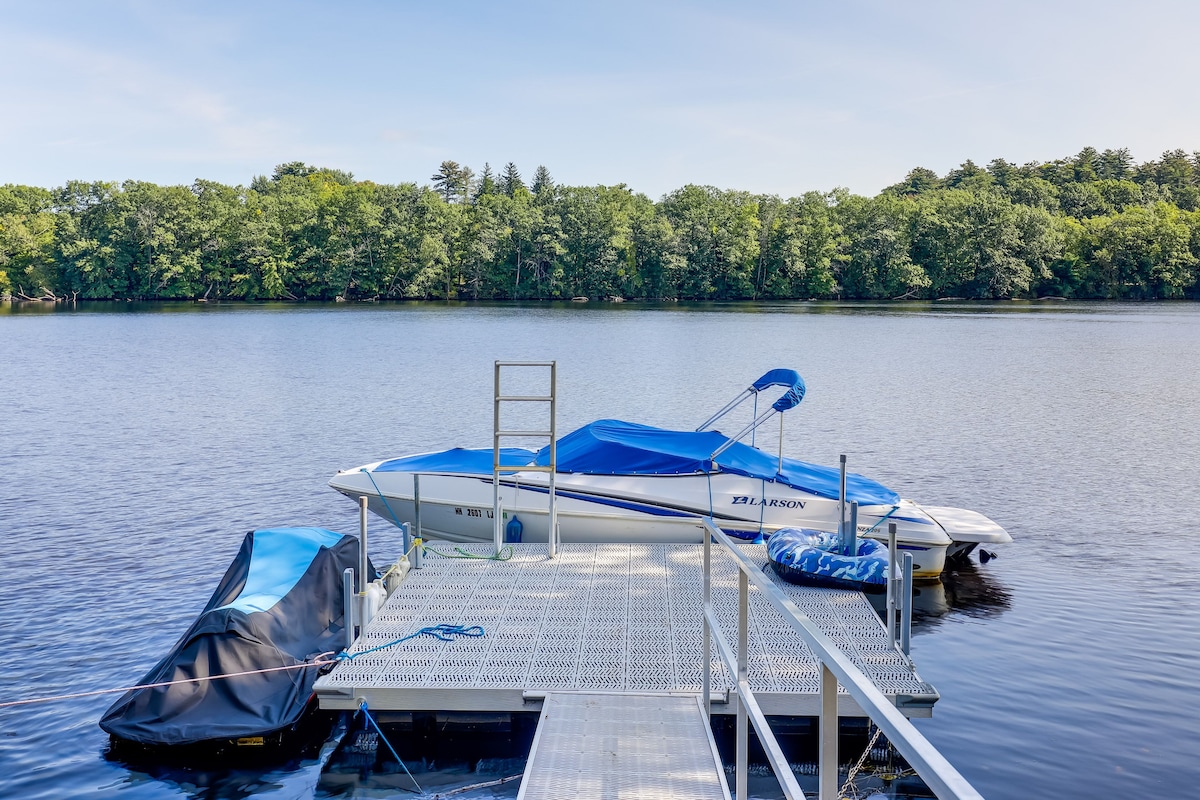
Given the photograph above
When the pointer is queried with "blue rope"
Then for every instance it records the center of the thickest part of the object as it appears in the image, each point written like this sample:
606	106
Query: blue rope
386	504
444	632
881	519
375	725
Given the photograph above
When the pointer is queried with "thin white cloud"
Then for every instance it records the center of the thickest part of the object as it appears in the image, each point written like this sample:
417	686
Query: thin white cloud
780	97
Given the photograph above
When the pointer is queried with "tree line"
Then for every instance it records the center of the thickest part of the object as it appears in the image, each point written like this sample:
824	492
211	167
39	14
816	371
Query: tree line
1095	225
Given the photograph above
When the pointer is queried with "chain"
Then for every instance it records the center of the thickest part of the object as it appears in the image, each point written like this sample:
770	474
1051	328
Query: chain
857	767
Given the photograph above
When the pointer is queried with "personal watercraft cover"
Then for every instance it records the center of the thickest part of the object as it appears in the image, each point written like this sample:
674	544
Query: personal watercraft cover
613	447
279	604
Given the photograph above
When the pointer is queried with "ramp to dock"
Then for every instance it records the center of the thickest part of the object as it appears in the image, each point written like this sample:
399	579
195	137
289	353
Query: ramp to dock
628	746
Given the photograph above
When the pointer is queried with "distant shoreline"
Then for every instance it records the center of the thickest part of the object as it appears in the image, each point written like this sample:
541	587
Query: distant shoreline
19	306
1095	226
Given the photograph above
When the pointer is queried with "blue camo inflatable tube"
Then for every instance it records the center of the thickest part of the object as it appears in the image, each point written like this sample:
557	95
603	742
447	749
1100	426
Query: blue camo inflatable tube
811	558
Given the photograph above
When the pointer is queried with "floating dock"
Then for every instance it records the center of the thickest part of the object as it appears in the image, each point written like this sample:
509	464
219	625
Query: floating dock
602	618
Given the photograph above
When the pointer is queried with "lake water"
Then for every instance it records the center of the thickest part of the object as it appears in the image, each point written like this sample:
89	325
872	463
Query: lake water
140	444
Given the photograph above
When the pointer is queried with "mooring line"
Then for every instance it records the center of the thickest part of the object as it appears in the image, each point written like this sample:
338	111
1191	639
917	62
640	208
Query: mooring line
319	663
444	632
363	708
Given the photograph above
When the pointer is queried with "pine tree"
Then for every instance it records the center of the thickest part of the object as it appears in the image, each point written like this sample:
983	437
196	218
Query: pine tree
510	181
487	182
542	182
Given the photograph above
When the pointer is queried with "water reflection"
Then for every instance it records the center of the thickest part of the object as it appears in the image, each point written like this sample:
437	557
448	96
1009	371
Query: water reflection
230	775
965	588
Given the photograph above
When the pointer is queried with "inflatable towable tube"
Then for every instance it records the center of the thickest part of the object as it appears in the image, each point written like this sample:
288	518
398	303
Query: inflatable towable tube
811	558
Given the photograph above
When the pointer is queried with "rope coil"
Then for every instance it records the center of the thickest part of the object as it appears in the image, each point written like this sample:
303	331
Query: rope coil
444	632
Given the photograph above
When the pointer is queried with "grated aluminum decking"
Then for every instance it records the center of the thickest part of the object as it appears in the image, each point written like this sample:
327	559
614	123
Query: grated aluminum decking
630	746
601	617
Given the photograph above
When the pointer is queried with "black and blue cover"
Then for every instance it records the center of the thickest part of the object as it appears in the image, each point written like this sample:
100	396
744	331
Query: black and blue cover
280	604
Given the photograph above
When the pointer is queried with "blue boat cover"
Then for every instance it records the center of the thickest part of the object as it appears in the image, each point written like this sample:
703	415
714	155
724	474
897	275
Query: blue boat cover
460	460
614	447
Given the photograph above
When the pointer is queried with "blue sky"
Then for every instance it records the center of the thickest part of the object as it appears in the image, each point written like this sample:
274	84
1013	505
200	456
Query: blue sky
780	97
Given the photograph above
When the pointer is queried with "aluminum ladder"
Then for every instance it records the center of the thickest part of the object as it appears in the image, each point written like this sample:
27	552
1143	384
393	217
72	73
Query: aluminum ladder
499	433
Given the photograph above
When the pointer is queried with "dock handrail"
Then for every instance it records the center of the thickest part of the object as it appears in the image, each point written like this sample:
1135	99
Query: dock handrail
836	668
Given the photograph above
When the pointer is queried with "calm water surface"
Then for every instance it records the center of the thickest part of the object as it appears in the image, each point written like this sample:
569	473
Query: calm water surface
139	445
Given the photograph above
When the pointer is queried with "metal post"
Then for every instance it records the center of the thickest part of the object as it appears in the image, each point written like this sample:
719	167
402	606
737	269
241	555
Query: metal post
851	540
407	528
362	545
781	442
827	765
417	504
418	553
891	583
743	728
348	604
906	596
552	548
707	647
497	528
842	503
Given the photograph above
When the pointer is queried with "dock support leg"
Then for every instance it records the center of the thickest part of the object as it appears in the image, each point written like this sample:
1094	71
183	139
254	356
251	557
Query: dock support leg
828	763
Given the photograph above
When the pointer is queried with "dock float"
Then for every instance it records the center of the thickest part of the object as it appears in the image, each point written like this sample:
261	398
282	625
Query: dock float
610	618
623	745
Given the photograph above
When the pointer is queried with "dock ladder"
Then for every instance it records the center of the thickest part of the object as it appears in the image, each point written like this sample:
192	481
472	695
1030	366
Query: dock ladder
499	433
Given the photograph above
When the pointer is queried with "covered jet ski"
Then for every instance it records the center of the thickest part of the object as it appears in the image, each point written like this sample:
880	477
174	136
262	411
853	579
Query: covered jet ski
280	604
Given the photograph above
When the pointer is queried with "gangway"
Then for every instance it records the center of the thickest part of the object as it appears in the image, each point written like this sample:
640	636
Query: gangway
623	745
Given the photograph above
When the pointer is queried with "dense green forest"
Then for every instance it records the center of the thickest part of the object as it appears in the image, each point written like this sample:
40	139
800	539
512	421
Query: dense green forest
1097	225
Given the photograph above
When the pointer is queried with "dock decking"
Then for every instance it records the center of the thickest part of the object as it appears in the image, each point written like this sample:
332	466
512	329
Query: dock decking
625	745
610	618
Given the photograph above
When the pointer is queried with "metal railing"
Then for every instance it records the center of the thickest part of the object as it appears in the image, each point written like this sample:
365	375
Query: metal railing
836	668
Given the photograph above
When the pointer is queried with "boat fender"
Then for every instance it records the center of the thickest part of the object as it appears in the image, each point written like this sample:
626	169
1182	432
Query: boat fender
395	576
512	531
373	601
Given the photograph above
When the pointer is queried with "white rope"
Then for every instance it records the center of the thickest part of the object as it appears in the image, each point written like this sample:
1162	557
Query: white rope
320	662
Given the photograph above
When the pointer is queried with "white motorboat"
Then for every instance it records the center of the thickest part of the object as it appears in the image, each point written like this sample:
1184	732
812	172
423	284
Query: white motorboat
620	481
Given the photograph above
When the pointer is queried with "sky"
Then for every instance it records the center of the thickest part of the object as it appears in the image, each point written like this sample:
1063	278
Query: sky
771	97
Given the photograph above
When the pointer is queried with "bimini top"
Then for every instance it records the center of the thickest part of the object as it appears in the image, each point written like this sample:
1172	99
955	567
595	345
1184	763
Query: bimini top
613	447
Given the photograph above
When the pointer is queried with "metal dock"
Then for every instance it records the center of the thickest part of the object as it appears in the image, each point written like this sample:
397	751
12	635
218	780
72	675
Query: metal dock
623	745
602	617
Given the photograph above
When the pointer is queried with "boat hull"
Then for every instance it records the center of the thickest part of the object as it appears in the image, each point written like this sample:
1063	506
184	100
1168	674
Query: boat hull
644	509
